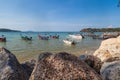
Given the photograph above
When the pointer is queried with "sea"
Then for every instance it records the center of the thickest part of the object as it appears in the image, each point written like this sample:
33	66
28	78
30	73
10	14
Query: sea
26	50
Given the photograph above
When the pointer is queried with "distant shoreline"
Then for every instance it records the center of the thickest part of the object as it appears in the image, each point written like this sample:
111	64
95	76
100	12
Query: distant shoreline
8	30
100	30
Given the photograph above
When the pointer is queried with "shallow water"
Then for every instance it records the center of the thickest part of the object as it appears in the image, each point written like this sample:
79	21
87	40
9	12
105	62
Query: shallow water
25	50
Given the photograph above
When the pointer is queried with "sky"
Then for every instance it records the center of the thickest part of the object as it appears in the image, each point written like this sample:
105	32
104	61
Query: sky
58	15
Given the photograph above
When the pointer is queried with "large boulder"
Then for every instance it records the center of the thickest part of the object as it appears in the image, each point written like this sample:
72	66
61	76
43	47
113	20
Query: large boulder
10	69
92	61
111	70
62	66
108	48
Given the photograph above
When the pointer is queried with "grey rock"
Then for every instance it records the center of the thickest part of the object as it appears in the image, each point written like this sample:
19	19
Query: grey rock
92	61
111	70
10	69
29	66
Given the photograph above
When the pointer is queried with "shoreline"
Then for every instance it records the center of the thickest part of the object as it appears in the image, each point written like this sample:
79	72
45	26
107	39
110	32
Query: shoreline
23	56
51	66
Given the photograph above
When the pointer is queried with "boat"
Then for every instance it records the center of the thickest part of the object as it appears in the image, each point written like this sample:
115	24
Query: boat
77	36
69	42
55	37
26	38
2	39
43	37
106	36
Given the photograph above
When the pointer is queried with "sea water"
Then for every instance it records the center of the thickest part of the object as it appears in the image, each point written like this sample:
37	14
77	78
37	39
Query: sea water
25	50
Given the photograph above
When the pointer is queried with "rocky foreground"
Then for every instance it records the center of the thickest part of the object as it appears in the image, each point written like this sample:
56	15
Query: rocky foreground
104	64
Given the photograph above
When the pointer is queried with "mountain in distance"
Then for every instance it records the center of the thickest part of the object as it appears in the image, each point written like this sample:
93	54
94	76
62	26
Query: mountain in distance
8	30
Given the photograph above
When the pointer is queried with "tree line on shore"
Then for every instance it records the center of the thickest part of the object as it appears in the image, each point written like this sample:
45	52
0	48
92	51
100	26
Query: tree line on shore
100	30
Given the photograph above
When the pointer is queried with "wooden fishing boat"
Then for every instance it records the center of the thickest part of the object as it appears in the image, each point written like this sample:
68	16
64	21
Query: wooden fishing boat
26	38
43	37
55	37
2	39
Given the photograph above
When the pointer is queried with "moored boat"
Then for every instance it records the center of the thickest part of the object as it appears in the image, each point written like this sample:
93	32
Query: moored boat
69	42
54	37
2	39
26	38
43	37
106	36
77	36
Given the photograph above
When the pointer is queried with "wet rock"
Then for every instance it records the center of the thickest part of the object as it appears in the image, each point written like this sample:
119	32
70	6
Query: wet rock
111	70
62	66
29	66
10	69
92	61
109	48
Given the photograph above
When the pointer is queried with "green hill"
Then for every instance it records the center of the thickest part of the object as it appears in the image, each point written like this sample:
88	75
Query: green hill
8	30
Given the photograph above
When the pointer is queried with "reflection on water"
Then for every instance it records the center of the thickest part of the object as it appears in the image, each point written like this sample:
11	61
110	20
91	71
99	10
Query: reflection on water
30	49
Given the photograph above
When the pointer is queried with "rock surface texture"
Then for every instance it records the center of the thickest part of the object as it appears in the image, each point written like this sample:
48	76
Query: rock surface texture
10	69
109	48
92	61
62	66
111	70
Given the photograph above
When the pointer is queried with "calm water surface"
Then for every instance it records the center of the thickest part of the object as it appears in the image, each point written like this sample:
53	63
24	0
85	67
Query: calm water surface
25	50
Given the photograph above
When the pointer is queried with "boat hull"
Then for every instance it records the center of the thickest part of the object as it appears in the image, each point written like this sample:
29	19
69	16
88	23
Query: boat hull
76	36
2	39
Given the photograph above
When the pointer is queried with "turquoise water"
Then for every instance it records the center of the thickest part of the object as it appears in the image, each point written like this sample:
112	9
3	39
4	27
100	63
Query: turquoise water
25	50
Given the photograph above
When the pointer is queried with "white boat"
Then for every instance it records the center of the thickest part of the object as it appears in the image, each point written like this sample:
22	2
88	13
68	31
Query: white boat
69	42
78	36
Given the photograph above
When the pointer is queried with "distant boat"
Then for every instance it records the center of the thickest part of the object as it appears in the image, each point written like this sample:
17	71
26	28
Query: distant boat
2	39
43	37
77	36
54	37
26	38
69	42
106	36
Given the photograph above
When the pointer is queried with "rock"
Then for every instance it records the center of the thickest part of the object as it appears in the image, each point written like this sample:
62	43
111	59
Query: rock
10	69
108	48
29	66
62	66
92	61
112	59
111	70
